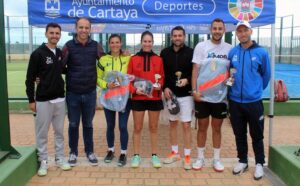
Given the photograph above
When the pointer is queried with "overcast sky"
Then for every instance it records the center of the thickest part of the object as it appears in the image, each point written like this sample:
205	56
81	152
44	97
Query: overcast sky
287	7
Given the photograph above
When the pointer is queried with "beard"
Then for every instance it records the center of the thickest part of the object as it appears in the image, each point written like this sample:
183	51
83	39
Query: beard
178	45
216	38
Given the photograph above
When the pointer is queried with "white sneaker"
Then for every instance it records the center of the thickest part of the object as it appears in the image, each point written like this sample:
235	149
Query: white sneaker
61	163
240	168
218	166
198	164
43	168
259	171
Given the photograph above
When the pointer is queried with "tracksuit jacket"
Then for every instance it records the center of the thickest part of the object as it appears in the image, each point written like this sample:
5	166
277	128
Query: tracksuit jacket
145	65
47	66
252	73
109	63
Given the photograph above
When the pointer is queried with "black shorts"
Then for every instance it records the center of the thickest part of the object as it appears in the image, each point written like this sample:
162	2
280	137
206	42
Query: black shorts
205	109
142	105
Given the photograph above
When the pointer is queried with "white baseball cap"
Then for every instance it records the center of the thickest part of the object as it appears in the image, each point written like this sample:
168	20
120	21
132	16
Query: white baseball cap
245	23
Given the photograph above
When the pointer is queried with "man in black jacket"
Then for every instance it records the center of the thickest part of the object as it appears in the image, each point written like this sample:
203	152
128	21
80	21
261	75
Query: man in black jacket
48	101
178	71
81	54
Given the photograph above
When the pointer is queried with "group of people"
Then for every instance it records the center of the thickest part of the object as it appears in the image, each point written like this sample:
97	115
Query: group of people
208	81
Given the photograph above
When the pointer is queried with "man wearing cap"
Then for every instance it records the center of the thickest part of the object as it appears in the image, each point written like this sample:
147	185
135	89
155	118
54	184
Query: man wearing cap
252	66
210	72
178	71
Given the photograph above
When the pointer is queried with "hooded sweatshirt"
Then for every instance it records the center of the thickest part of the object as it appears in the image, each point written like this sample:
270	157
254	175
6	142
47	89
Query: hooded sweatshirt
145	65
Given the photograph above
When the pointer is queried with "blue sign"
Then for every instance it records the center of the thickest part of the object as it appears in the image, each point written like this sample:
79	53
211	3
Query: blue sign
151	11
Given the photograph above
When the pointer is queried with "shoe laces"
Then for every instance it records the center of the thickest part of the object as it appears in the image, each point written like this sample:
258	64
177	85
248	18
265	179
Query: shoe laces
122	157
110	153
155	158
92	156
73	157
44	164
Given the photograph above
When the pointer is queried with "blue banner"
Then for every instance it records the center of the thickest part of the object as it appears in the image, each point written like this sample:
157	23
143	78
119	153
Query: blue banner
151	11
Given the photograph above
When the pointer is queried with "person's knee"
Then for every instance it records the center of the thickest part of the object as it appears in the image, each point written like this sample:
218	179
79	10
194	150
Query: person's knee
123	128
137	129
216	130
153	128
187	126
73	124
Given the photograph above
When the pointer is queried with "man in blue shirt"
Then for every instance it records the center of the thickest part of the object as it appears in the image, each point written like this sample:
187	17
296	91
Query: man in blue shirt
251	77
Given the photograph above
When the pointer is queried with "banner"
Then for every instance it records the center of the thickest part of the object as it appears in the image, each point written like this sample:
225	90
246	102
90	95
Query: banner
151	11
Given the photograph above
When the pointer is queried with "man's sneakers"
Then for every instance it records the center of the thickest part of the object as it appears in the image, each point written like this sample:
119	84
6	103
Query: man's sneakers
217	165
187	164
43	168
72	159
109	157
135	161
92	159
259	171
122	160
240	168
155	161
61	163
198	164
173	157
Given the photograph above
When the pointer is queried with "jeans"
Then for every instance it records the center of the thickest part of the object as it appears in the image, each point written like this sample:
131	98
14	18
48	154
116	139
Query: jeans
81	105
240	115
111	121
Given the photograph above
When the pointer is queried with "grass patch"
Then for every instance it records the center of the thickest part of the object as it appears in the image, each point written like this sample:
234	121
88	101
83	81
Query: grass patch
290	108
16	75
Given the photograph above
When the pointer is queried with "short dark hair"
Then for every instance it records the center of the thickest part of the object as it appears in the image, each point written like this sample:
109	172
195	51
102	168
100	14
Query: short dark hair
218	20
178	28
113	36
146	33
85	18
53	25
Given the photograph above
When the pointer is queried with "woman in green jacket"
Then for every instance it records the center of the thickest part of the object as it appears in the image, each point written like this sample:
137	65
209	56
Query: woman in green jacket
115	60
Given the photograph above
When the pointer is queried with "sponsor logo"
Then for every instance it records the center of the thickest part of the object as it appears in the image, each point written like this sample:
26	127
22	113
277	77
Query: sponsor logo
49	60
213	55
52	8
235	58
246	10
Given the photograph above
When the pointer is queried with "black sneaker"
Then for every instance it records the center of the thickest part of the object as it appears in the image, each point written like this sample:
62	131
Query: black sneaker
109	157
92	159
122	160
72	159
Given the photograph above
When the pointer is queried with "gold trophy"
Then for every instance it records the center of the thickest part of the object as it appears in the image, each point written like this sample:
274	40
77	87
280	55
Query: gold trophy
229	81
157	77
178	75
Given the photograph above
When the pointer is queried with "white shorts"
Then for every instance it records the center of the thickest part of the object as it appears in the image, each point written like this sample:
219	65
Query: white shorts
186	105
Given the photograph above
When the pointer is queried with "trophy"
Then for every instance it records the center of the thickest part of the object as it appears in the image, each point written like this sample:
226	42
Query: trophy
229	81
178	75
157	77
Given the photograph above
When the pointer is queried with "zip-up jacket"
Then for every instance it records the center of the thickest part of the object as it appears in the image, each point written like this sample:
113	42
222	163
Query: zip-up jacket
47	66
252	73
109	63
178	61
81	61
145	65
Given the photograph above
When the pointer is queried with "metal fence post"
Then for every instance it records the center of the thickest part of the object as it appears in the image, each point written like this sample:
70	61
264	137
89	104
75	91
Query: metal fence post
5	145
